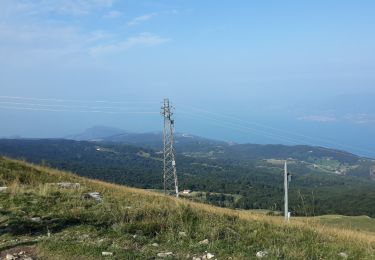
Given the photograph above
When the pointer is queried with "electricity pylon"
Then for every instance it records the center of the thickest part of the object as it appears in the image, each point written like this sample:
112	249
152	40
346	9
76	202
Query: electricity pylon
169	171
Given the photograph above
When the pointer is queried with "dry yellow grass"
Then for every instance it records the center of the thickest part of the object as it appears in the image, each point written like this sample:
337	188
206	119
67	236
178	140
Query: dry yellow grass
119	190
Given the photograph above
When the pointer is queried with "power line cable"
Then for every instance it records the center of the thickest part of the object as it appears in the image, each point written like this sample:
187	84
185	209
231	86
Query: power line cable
79	101
59	105
254	131
280	130
97	110
245	129
77	111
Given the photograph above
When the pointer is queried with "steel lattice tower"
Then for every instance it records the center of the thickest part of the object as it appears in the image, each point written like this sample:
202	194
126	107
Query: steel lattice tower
170	175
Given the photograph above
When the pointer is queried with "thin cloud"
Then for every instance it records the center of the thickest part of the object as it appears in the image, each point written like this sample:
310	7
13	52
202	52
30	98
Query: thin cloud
28	37
112	14
319	118
360	118
67	7
143	39
24	46
141	19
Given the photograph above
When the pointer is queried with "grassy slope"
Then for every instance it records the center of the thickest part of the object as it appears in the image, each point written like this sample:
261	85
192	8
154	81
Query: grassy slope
129	220
363	223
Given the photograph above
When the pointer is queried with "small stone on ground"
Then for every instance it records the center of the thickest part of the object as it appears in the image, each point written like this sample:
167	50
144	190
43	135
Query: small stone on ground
204	242
107	254
343	255
261	254
182	234
94	195
166	254
10	257
68	185
36	219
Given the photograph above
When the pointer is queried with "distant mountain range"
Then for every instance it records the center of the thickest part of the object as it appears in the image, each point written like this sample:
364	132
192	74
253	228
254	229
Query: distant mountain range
96	133
192	145
152	140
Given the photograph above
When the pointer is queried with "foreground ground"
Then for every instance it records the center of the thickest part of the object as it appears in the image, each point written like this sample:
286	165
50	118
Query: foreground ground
51	222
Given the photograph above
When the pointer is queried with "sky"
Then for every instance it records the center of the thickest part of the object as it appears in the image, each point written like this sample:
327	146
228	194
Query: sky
291	72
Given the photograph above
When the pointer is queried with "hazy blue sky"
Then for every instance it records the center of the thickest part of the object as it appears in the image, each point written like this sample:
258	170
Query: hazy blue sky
248	71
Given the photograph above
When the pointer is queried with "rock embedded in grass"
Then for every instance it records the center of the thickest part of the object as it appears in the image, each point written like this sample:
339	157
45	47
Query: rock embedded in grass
182	234
343	255
204	242
206	256
107	254
3	189
261	254
94	195
165	254
84	236
68	185
10	257
36	219
20	256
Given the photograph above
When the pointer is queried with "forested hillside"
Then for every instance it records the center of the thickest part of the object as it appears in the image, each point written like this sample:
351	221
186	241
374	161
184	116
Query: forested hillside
221	180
